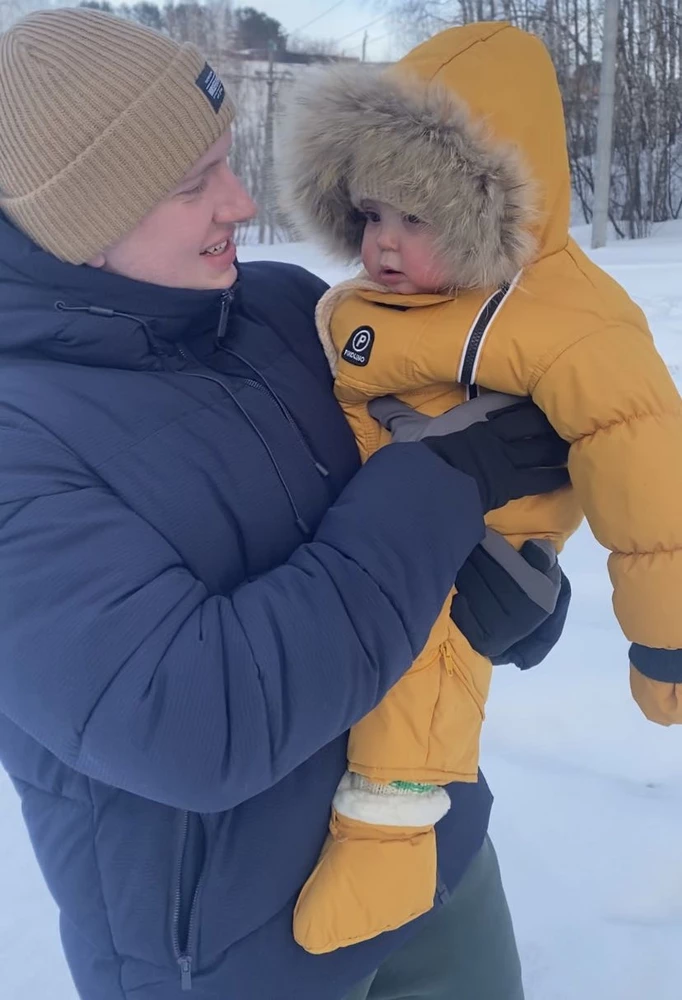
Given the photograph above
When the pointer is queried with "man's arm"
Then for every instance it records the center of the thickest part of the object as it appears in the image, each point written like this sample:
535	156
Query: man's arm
114	657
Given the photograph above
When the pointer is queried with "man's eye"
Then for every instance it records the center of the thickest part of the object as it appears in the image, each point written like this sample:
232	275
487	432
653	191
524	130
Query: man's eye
197	189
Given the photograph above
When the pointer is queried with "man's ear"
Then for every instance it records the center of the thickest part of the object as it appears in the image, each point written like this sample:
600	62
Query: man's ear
99	260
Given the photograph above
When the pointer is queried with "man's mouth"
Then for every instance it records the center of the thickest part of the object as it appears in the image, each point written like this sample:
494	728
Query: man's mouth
216	249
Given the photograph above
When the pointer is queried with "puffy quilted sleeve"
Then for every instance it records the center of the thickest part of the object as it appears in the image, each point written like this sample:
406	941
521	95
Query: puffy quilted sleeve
611	395
115	658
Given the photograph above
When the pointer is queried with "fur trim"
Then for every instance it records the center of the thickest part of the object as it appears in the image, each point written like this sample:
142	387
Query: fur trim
327	305
386	809
353	133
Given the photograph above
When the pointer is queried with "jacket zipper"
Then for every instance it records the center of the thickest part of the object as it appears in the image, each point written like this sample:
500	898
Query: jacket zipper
301	524
442	891
322	469
183	950
226	300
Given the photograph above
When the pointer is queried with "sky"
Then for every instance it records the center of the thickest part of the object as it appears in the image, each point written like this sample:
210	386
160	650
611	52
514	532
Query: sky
346	23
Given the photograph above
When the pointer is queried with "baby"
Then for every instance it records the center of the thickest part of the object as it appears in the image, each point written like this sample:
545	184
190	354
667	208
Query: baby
448	176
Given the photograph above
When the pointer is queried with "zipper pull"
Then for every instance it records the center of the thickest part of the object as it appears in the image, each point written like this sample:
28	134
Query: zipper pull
185	963
448	659
225	303
101	311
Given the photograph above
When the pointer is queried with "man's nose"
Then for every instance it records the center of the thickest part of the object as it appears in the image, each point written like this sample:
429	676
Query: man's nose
235	203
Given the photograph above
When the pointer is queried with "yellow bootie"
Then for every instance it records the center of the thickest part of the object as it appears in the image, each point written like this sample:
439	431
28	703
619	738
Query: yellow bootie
375	872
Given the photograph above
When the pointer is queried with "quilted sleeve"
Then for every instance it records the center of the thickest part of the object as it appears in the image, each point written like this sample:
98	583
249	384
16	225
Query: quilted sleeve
611	395
116	658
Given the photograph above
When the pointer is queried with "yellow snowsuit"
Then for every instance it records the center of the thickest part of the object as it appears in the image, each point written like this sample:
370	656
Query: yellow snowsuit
552	326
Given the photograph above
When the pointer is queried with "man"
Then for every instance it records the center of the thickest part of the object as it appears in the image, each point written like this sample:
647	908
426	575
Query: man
203	592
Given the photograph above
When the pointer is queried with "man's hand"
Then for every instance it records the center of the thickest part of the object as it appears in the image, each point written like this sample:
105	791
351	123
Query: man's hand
406	424
510	450
511	606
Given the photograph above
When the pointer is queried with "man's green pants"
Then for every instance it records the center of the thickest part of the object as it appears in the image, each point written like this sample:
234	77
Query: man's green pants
467	950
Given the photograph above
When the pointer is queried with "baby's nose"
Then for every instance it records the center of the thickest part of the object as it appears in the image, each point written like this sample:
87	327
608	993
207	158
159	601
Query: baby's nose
387	239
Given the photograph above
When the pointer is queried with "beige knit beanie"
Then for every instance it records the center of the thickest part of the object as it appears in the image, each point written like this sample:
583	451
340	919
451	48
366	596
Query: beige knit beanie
99	119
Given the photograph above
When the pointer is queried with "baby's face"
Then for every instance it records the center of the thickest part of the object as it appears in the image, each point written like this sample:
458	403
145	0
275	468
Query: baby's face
398	251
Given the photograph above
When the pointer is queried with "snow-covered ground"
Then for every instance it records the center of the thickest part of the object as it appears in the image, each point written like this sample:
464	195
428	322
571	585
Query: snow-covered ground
588	815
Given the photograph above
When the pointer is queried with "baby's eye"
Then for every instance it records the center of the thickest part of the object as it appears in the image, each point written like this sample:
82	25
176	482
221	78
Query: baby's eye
371	216
413	220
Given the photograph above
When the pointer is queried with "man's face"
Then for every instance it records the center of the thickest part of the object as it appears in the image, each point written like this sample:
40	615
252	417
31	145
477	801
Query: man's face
187	240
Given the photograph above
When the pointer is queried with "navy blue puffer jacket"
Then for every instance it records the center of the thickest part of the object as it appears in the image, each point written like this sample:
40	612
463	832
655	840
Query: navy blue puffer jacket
201	593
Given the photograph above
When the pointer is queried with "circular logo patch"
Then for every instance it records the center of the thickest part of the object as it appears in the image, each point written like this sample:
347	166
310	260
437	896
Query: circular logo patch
359	347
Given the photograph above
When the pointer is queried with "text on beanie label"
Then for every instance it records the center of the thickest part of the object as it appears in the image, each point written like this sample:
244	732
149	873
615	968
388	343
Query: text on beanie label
209	83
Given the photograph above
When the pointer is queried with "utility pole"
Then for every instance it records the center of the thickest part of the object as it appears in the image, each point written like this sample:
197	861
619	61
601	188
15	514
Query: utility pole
266	199
364	47
607	96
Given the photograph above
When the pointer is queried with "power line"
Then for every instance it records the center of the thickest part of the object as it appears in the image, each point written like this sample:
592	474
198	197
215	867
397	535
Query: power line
318	17
370	41
380	38
364	26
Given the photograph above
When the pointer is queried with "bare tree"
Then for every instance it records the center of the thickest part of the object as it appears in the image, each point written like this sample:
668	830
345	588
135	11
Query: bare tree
257	89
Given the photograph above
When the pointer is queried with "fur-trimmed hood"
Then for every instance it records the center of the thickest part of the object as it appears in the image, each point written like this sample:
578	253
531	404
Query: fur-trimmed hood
466	132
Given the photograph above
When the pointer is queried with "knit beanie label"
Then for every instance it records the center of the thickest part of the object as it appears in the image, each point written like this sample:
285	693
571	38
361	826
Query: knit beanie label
210	84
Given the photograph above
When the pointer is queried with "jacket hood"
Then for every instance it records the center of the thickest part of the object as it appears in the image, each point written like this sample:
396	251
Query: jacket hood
81	314
466	132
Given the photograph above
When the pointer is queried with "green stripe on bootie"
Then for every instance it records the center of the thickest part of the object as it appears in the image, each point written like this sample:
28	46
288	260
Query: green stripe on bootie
411	787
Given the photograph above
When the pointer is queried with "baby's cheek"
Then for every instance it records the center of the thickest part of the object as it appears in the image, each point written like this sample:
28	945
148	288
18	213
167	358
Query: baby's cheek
366	257
370	263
